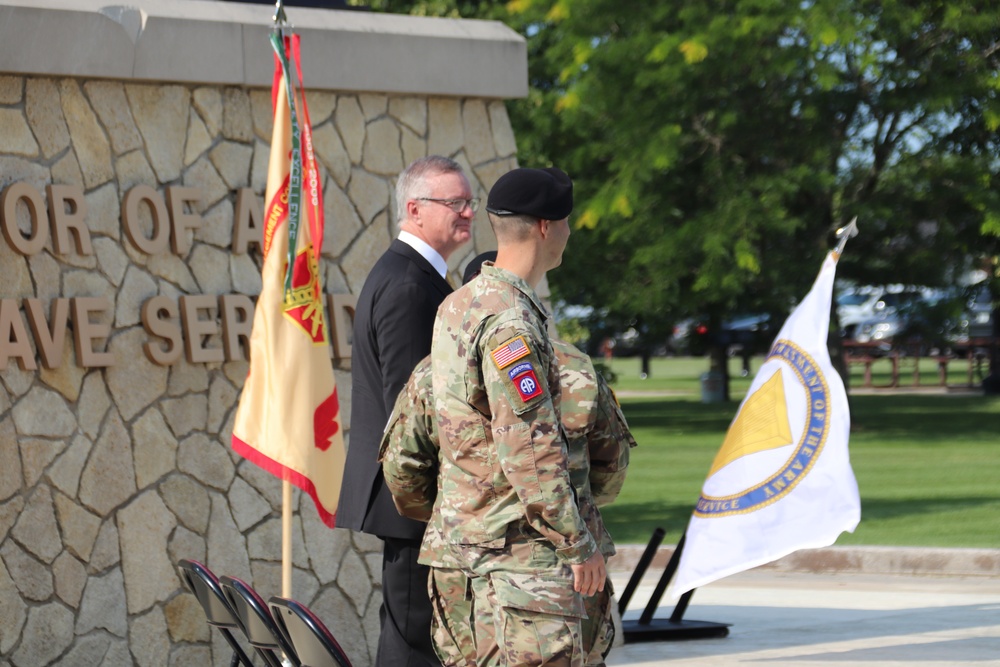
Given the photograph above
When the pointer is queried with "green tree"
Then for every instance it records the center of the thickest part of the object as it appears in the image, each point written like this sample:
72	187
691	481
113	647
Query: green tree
716	145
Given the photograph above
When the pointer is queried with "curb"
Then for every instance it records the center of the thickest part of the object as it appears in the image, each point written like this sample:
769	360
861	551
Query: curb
927	561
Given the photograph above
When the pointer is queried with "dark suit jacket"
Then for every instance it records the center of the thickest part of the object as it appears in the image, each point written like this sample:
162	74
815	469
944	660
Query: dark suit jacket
393	323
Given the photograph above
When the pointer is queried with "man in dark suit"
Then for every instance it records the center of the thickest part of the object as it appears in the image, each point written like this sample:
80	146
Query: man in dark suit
393	323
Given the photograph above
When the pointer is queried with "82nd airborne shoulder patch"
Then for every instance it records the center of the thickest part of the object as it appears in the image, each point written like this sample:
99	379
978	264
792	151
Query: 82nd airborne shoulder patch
518	375
525	381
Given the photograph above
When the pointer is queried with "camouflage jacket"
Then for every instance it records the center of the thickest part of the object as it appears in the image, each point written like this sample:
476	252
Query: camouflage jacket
596	430
409	449
598	436
503	457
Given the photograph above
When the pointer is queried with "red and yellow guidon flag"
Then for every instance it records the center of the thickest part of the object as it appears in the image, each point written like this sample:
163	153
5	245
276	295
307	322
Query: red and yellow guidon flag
288	418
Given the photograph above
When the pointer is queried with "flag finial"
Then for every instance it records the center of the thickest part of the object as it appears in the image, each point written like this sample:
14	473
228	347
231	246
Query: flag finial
280	18
848	231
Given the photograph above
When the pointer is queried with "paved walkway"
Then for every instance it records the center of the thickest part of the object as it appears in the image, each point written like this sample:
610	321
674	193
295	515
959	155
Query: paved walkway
863	619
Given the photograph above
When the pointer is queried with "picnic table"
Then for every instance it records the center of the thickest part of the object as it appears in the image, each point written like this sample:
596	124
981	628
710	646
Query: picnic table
978	352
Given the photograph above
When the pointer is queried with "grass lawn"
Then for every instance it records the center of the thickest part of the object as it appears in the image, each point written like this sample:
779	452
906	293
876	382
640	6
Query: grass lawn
928	466
681	374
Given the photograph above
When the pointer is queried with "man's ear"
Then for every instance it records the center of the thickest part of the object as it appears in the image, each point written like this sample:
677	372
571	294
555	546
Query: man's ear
413	210
543	227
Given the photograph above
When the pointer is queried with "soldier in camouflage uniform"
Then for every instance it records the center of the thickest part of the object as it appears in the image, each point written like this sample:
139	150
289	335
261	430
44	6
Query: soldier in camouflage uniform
409	457
505	504
598	445
599	442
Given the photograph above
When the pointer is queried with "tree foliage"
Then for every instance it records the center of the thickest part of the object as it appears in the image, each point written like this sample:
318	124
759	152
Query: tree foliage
716	145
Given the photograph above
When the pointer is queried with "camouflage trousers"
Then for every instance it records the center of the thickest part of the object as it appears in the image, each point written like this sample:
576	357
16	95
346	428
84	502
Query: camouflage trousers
517	607
598	627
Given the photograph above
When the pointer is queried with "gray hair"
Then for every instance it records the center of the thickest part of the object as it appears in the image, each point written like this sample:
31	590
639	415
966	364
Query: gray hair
412	182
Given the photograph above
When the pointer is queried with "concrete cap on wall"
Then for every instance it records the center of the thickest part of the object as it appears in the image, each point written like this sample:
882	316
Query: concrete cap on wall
226	43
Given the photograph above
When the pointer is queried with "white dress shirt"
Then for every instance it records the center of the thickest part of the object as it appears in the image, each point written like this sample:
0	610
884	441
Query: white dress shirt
427	252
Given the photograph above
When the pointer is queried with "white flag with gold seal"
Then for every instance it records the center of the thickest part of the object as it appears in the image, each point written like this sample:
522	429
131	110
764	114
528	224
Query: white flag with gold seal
782	480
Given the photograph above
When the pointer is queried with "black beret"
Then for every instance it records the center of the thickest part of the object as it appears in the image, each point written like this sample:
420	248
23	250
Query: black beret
543	193
476	265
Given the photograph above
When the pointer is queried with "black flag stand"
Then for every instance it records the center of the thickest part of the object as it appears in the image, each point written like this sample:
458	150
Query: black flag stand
646	628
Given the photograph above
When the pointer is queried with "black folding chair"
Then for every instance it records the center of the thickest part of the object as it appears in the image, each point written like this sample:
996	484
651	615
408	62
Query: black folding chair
257	624
220	615
313	641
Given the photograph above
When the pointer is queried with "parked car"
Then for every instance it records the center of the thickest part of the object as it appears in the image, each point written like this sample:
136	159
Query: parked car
980	313
856	306
883	313
872	304
977	320
679	341
751	334
926	322
882	329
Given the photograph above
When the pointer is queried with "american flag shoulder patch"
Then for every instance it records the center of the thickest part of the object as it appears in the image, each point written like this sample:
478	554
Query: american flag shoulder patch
510	352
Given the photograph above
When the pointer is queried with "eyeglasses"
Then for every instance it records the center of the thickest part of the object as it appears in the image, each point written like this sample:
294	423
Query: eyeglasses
456	205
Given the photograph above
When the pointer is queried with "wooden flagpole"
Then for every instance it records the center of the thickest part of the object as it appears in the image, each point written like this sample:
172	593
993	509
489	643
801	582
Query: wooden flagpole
286	539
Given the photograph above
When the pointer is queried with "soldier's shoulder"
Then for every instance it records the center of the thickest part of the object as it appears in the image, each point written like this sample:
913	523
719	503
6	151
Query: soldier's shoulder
570	355
421	376
507	329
